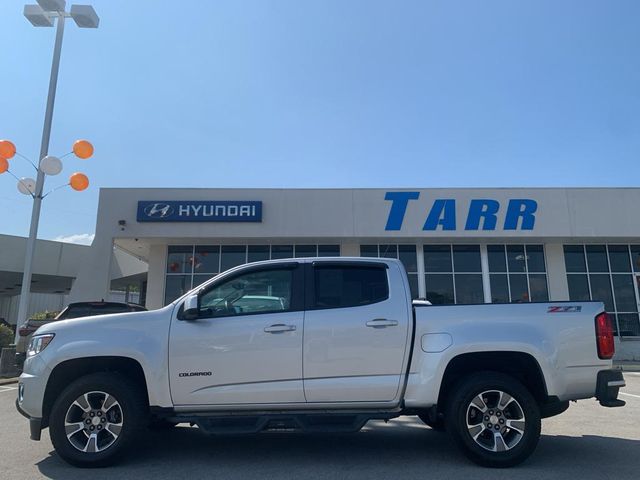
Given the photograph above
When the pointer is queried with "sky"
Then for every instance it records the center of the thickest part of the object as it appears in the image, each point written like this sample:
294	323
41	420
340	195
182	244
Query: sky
331	93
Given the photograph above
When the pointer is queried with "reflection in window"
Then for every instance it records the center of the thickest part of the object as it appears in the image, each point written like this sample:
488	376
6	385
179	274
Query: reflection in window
254	292
517	273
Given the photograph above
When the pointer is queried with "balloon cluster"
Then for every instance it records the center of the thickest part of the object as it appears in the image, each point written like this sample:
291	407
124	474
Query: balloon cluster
49	165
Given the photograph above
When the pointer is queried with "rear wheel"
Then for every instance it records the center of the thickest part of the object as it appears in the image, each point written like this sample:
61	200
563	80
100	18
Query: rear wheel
494	419
95	418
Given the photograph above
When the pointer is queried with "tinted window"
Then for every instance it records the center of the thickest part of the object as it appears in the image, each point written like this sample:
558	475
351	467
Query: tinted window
408	257
253	292
497	261
437	258
535	258
466	258
257	253
232	256
281	251
339	287
179	259
469	288
440	289
578	288
306	251
597	258
516	258
619	258
328	250
206	259
499	288
574	258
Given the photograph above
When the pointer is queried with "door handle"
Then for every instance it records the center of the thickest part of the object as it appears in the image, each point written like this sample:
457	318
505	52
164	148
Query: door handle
381	323
279	328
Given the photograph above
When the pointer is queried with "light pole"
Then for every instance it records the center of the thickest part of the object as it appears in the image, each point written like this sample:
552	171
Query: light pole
43	15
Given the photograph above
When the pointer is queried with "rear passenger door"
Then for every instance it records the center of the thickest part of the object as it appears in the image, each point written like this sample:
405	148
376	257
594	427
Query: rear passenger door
356	331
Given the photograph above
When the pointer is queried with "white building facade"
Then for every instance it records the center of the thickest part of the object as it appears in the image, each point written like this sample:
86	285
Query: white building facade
458	246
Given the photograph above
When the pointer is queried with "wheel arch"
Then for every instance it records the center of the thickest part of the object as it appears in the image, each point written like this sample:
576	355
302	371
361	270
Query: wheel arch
522	366
66	372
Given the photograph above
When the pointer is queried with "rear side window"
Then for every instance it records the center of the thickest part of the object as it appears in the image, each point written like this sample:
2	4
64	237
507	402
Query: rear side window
349	286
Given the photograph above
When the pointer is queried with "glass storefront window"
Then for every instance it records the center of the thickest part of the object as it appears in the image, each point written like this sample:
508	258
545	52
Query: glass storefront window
306	251
207	259
606	276
179	259
191	265
517	273
405	253
440	288
466	258
597	258
176	286
437	258
453	274
257	253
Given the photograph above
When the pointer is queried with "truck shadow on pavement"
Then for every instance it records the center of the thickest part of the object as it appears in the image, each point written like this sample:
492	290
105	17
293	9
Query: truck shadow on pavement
402	448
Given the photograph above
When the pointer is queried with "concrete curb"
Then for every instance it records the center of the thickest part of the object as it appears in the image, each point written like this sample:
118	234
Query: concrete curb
7	381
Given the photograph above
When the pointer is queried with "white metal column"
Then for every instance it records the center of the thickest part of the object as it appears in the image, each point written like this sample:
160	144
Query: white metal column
486	281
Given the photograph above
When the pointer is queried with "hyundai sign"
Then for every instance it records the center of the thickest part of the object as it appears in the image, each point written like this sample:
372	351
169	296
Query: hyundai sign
199	211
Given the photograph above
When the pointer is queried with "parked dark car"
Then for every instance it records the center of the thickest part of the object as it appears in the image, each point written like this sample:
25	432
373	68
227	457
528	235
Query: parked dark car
73	310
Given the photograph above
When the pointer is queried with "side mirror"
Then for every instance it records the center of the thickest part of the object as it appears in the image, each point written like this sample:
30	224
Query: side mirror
190	310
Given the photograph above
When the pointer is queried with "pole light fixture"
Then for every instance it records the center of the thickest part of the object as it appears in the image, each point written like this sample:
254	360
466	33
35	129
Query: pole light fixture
46	13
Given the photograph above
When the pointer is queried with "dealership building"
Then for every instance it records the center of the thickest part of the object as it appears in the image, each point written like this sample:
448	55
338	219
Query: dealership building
459	246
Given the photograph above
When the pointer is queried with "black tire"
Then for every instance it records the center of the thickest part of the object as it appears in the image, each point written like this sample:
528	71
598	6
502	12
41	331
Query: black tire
438	425
516	447
129	417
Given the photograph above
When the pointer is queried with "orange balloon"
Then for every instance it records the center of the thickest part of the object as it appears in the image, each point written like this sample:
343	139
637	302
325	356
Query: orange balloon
7	149
79	181
83	149
4	165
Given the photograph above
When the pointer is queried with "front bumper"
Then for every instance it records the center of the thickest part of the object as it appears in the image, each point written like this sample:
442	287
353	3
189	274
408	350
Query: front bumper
35	424
607	387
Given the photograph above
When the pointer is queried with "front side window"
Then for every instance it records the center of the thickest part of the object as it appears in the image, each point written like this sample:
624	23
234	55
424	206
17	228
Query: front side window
265	291
347	286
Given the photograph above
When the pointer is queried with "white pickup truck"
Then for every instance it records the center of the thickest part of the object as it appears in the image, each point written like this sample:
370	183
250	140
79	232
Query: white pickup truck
320	345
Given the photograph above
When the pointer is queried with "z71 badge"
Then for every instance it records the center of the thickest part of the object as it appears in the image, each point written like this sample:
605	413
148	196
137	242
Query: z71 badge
565	309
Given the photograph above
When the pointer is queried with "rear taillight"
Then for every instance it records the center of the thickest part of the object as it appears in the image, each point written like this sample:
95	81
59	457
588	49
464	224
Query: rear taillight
604	336
25	331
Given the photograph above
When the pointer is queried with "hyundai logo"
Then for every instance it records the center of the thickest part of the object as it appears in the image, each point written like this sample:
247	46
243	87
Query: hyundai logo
158	210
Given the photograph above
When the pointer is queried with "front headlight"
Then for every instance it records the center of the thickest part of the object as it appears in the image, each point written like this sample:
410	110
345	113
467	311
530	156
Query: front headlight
38	343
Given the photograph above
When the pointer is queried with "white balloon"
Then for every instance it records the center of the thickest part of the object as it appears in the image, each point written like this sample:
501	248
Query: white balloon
51	165
27	186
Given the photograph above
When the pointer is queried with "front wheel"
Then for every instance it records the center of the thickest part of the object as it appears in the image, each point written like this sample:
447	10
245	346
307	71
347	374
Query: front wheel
493	419
95	418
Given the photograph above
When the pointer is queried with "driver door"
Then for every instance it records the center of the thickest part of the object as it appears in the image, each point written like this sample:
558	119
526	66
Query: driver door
245	347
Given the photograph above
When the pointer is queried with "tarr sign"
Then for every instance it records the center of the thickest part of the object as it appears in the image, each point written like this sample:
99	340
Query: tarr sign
482	214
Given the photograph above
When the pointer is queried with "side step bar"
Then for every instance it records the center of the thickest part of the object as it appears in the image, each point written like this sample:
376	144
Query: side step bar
290	422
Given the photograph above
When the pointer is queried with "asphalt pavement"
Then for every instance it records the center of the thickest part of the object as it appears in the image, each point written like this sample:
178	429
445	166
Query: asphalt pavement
586	442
